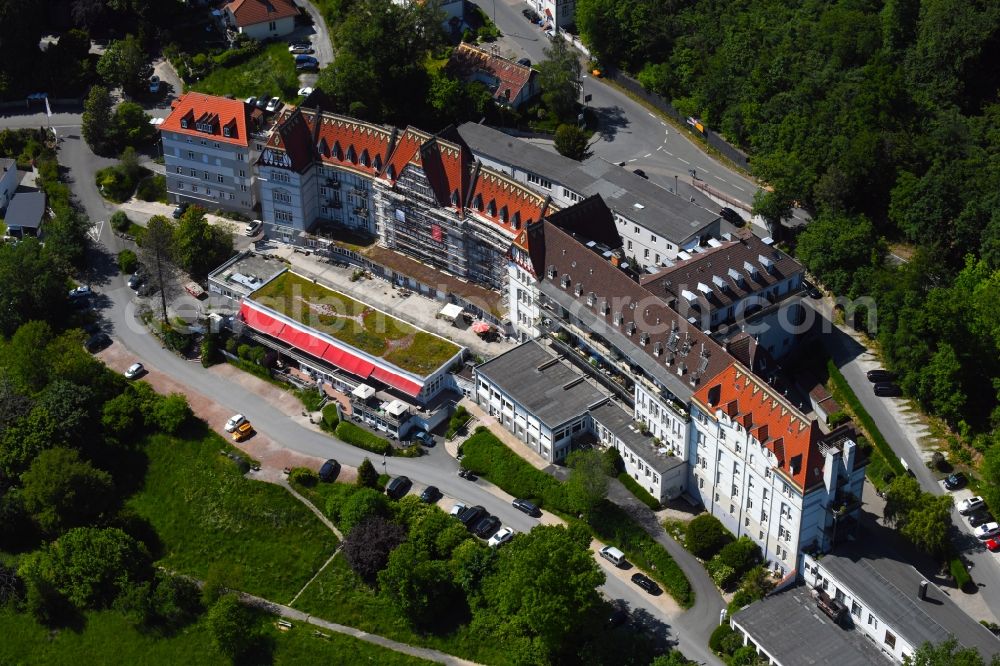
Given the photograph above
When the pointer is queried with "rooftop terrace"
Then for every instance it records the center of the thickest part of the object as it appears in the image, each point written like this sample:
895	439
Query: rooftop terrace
356	324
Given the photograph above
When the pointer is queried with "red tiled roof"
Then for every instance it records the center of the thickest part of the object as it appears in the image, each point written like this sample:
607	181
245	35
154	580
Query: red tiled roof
333	354
508	77
252	12
406	150
346	142
447	165
219	112
493	192
786	432
293	136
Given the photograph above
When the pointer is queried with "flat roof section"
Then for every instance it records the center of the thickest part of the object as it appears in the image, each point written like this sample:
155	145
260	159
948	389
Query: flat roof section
247	272
618	421
356	324
794	631
542	383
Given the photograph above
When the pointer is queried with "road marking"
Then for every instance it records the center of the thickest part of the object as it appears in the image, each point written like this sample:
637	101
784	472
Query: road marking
651	115
739	188
646	155
667	151
681	159
717	178
95	231
664	124
705	171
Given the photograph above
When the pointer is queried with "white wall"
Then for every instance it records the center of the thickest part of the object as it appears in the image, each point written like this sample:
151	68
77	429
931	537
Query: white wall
264	30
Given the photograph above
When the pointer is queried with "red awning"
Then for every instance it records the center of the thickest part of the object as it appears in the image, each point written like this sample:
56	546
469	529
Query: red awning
405	385
333	355
356	366
259	321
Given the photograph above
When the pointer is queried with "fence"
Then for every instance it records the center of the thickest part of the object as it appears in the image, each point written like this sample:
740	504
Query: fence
733	153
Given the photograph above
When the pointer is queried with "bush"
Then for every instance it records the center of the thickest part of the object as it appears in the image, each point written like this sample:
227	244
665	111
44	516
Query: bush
127	261
845	391
641	493
457	421
120	222
311	399
723	574
705	536
718	638
363	439
960	574
330	418
210	350
742	555
367	475
115	183
740	599
335	499
613	464
488	456
302	476
153	188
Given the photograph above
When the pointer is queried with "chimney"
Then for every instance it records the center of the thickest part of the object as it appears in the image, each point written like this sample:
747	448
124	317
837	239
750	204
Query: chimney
922	592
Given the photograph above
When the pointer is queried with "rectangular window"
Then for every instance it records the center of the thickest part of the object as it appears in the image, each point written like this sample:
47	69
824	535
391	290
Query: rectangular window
272	25
630	245
635	230
890	639
239	156
190	155
282	216
856	609
220	178
180	170
244	187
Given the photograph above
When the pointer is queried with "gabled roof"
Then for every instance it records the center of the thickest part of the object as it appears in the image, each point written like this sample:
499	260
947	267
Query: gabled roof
503	201
731	271
290	144
447	165
26	210
406	151
223	113
252	12
789	434
506	78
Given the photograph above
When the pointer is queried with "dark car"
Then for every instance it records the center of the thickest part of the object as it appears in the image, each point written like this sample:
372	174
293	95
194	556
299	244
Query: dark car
887	390
646	583
135	280
812	290
526	506
146	289
640	173
524	61
97	342
424	438
880	376
981	518
430	495
486	527
398	487
472	515
732	217
955	481
179	210
262	101
328	472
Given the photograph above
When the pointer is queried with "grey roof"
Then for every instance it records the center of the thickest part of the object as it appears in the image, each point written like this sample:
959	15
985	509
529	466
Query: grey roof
618	421
635	198
542	383
247	272
890	587
7	163
26	210
790	628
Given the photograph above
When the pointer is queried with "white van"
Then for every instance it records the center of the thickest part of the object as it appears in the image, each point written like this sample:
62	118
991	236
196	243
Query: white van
613	555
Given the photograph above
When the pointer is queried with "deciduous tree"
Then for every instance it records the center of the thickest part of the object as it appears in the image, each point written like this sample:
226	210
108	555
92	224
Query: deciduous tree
587	484
367	546
62	491
559	80
125	64
97	126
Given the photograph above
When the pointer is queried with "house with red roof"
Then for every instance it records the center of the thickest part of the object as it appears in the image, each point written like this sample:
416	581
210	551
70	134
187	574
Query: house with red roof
512	84
768	471
210	144
261	19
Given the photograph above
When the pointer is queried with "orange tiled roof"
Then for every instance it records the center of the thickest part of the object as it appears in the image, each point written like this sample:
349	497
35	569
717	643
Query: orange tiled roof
406	150
350	143
218	112
252	12
504	202
509	77
447	165
791	436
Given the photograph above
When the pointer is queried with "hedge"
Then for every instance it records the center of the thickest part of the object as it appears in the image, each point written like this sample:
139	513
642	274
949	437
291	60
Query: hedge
891	459
487	456
959	573
612	525
330	418
363	439
457	421
641	493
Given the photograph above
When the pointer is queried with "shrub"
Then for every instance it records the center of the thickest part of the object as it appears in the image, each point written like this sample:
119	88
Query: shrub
488	456
363	439
115	183
367	476
960	574
120	222
127	261
311	399
742	555
719	636
335	499
457	421
613	464
740	599
705	536
641	493
330	418
303	477
152	188
723	574
210	350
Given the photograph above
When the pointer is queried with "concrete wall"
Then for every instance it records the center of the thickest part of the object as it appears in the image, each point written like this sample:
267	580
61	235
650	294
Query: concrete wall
208	172
261	31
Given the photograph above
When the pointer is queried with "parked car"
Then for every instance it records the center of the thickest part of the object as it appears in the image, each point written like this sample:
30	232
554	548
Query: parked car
613	555
398	487
980	518
992	545
273	105
486	527
955	481
82	291
645	582
971	505
880	376
640	173
235	422
430	495
424	438
136	279
97	342
503	535
305	92
328	472
471	515
135	370
811	290
180	209
306	62
524	61
300	48
242	432
987	531
732	217
154	84
526	506
457	509
252	101
887	390
253	228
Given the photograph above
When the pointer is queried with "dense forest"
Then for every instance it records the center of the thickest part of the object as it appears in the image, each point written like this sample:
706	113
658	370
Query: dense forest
881	118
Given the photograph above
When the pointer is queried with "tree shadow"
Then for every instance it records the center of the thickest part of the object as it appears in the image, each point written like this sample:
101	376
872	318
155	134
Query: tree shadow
610	120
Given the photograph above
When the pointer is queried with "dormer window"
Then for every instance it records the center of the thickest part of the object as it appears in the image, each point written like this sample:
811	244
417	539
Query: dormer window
478	202
377	163
391	172
184	123
454	198
364	157
578	290
322	147
515	221
338	152
618	319
564	281
352	157
644	339
551	272
225	131
630	329
503	214
591	298
492	208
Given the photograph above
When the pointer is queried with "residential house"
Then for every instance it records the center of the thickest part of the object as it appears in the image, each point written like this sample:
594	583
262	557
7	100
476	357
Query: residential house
261	19
209	147
511	84
25	215
8	181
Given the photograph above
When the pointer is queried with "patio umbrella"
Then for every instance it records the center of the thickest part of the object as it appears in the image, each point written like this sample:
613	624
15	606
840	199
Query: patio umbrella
481	327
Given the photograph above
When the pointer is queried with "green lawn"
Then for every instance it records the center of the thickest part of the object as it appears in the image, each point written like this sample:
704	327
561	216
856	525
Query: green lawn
271	72
108	639
356	324
206	513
